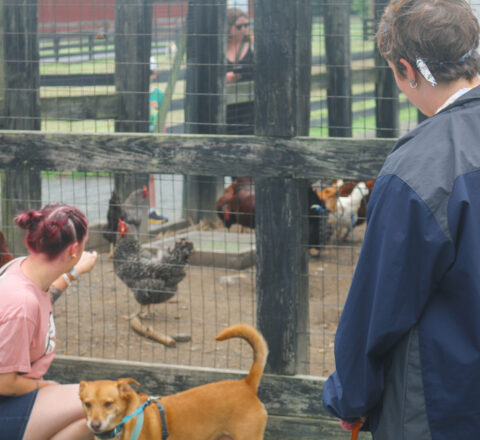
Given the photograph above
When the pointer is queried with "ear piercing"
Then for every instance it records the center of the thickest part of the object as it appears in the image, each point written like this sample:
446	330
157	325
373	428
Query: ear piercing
413	83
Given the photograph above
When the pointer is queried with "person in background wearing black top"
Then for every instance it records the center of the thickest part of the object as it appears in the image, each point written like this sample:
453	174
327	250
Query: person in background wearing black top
239	59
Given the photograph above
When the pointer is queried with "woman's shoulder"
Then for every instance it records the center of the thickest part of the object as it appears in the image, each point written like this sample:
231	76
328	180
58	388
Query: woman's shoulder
12	270
16	290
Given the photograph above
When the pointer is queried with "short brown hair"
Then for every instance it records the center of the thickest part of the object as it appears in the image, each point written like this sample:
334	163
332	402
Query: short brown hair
440	32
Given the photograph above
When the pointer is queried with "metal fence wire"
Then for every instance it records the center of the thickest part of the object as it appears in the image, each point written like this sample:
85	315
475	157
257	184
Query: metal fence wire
94	317
78	58
189	67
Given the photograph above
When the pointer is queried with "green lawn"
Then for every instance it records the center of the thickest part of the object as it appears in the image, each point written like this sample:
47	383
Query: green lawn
362	126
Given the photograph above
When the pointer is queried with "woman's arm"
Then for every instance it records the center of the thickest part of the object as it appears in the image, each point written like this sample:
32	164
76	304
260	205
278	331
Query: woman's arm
12	384
85	264
232	77
403	253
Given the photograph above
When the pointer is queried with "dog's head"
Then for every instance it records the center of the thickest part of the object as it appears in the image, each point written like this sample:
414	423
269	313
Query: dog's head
106	402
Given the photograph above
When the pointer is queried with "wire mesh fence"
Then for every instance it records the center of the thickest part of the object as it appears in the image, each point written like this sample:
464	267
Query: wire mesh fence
79	74
77	64
93	318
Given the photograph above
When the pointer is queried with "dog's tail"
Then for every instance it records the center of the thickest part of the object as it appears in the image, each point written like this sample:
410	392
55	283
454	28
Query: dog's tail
260	349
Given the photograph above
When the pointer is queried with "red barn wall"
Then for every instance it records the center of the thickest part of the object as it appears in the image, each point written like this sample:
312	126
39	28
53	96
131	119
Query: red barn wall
85	15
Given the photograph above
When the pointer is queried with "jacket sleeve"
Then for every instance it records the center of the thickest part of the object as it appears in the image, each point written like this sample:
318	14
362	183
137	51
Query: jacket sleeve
403	257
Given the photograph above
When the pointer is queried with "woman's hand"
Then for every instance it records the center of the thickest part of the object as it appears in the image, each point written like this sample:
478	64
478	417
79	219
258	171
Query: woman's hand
232	77
47	383
350	426
86	262
13	384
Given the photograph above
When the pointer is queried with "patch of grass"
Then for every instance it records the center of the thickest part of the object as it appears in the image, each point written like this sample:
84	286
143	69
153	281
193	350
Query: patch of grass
73	174
106	65
88	125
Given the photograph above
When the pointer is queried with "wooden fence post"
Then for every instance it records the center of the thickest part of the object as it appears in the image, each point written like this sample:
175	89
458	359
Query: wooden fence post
204	100
282	86
91	47
337	47
21	190
386	91
133	41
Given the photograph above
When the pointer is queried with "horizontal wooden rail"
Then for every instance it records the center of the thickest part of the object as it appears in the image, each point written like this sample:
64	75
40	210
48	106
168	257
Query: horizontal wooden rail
105	106
293	403
300	157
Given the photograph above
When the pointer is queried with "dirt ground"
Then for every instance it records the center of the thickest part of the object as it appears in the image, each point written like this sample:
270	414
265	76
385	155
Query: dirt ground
92	318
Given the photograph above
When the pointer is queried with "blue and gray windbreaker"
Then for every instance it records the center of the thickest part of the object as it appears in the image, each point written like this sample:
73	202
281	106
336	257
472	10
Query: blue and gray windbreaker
407	348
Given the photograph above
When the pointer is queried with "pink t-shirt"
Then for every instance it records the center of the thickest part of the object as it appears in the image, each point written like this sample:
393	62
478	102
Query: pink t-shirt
27	330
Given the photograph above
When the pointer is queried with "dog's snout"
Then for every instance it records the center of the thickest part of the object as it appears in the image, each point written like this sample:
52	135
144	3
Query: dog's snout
95	424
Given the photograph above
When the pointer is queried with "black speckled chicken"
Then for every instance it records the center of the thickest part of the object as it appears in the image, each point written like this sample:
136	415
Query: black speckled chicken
113	214
151	280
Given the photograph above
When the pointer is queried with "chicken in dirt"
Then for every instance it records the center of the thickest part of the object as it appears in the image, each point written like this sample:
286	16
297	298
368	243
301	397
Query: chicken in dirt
346	188
347	212
152	280
347	201
320	229
135	208
132	211
237	205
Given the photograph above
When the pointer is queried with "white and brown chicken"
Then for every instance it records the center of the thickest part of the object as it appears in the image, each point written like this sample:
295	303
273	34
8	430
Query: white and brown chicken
133	210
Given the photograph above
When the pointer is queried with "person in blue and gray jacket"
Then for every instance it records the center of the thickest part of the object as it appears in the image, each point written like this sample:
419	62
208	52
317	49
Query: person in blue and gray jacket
407	348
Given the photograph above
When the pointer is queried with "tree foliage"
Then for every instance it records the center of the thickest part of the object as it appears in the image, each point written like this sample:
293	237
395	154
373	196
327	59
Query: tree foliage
357	7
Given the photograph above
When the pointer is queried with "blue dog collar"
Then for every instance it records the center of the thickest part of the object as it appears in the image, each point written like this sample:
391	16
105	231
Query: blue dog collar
138	425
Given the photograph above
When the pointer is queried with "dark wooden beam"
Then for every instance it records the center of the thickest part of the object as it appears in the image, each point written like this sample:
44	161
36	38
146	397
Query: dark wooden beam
21	107
204	99
133	39
301	157
204	102
386	90
337	46
20	65
106	106
280	80
282	109
281	265
294	404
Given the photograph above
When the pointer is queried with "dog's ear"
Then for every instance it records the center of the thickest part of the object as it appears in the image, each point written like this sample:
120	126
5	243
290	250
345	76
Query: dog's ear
124	388
127	380
82	386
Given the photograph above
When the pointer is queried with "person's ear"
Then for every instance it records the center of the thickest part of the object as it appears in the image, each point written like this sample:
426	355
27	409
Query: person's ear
411	72
74	249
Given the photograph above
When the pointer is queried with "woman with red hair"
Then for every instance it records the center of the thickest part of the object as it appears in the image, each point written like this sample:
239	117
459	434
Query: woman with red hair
32	408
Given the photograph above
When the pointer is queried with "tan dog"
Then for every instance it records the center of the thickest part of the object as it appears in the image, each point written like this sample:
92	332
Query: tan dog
226	409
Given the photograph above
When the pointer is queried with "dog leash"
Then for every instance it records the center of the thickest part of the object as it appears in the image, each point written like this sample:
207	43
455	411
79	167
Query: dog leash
356	430
113	433
161	410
